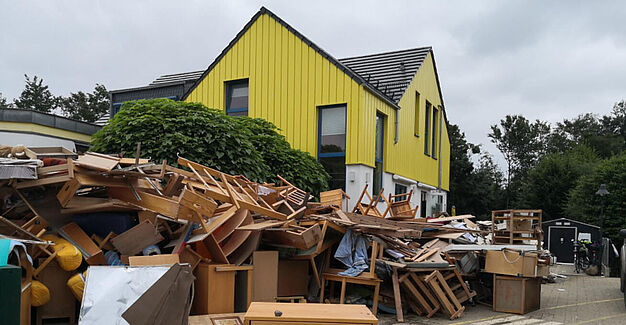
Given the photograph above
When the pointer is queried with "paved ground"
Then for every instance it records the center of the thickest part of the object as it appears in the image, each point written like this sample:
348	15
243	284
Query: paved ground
579	299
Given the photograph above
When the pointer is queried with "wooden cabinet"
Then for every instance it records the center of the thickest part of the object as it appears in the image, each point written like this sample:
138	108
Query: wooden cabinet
516	294
214	291
262	313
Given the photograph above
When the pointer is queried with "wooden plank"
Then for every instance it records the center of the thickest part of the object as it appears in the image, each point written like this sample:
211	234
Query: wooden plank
217	254
41	182
396	295
455	218
261	225
263	313
132	161
154	203
162	259
134	240
265	277
75	235
96	161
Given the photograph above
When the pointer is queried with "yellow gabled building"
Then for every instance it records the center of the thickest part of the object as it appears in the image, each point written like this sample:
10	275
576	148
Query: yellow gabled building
375	119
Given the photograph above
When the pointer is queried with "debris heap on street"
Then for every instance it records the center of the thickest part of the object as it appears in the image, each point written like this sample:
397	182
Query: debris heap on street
113	239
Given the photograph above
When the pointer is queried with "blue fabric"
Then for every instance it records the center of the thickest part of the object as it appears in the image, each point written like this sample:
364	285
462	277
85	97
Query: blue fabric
352	252
4	251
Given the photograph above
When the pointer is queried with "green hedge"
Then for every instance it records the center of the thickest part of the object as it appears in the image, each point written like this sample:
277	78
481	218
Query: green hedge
234	145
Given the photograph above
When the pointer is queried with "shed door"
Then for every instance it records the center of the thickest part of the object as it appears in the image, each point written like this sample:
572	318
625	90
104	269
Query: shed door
562	243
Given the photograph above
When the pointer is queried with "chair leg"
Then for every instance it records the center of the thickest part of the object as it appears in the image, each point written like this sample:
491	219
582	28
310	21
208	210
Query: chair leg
375	303
322	290
342	297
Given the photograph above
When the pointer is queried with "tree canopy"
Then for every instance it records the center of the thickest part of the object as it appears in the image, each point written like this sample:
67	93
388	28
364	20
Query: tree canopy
36	96
235	145
87	107
473	189
584	204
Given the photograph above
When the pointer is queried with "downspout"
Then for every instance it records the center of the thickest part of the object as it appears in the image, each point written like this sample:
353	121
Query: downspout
395	140
440	132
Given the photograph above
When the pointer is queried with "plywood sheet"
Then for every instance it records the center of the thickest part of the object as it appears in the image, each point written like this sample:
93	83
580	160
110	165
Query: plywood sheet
135	239
265	276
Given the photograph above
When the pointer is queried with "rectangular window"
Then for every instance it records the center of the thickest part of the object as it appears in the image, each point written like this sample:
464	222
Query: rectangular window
331	151
435	130
378	157
237	97
417	114
400	189
427	129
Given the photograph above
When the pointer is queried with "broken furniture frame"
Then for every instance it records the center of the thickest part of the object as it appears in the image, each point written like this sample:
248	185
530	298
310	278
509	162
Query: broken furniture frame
368	278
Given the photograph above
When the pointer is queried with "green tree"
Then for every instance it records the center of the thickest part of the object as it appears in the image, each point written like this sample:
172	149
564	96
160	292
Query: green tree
298	167
87	107
36	96
522	143
3	102
461	170
605	135
584	205
473	189
549	183
489	193
168	129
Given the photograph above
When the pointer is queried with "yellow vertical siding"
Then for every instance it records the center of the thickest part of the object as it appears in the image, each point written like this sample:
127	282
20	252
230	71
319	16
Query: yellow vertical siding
288	80
406	158
445	157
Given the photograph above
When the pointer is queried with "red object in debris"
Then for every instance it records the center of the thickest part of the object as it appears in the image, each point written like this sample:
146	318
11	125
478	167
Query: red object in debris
53	161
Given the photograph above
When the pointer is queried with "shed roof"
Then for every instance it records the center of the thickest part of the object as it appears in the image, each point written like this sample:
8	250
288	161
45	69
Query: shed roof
568	220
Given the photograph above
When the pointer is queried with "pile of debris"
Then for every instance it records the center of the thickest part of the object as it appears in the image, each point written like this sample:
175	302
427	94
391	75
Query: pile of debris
85	227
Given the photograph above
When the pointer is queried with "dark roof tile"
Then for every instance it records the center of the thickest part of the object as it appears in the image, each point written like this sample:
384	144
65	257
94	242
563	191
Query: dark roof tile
390	72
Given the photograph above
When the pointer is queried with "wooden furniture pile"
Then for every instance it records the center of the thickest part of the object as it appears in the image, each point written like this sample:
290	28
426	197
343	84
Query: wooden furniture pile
246	241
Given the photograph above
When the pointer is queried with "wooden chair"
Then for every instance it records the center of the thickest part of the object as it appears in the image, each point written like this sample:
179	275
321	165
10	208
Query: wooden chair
366	278
331	235
400	209
369	209
333	197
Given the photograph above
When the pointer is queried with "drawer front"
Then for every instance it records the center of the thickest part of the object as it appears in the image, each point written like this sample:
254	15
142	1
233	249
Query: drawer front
278	322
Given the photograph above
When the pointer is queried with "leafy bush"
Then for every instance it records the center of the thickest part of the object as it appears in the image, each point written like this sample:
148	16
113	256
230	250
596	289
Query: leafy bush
298	167
241	145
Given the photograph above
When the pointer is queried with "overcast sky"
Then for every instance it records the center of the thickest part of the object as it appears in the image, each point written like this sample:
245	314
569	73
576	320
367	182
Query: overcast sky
543	59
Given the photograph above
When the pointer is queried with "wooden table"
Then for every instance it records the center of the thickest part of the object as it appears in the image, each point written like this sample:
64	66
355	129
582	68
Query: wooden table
263	313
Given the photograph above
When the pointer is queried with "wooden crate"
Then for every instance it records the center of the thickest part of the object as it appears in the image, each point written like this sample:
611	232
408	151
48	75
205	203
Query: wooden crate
516	294
49	152
514	263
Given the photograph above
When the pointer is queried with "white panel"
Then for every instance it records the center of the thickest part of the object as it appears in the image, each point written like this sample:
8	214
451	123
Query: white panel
35	140
110	290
